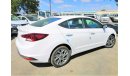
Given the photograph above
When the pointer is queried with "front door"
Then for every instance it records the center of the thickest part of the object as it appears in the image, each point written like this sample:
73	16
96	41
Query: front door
98	34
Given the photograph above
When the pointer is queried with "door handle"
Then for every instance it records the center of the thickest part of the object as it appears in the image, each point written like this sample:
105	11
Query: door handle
69	35
92	33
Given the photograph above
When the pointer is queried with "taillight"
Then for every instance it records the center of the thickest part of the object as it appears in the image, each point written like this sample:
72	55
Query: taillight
34	36
29	58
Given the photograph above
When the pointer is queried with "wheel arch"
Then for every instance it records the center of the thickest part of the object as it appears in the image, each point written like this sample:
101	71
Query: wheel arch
112	34
59	46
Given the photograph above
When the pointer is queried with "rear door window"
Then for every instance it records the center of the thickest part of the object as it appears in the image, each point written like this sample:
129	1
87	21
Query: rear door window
75	23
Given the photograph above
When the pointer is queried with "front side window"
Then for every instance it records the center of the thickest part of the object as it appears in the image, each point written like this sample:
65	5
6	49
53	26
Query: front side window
91	24
23	18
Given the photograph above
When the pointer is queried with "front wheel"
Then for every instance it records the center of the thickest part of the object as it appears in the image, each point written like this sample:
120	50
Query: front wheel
110	42
60	56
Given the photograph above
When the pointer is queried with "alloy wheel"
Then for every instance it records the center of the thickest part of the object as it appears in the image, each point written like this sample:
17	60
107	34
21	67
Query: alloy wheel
111	41
60	56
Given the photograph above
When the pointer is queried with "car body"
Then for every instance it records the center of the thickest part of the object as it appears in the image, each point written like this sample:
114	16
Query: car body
40	41
15	22
114	26
114	20
115	17
105	18
29	18
93	16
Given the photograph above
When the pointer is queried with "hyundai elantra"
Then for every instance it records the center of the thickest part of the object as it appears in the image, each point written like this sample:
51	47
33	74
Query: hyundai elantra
56	39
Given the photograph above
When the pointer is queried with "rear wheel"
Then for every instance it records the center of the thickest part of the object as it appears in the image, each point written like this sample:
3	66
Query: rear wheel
60	56
110	42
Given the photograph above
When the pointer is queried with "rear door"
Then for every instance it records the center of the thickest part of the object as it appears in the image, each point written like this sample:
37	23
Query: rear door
76	34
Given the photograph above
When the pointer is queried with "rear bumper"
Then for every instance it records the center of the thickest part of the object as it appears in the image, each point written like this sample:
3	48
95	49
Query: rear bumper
40	54
35	58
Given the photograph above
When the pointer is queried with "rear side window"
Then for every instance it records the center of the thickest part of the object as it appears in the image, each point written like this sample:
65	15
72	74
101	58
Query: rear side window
44	22
72	23
64	24
75	23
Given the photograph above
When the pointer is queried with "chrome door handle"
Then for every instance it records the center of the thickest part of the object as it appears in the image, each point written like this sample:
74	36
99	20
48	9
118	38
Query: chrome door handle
69	35
92	33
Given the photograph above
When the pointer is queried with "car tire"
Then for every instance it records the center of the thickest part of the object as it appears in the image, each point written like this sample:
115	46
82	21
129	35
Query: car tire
12	37
60	56
110	42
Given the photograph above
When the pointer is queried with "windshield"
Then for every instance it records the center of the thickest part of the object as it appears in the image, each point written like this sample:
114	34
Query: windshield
114	15
32	18
42	14
44	22
14	18
105	15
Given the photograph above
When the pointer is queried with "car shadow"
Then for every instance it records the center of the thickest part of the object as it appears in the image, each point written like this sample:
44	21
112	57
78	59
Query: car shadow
41	64
86	52
13	36
72	57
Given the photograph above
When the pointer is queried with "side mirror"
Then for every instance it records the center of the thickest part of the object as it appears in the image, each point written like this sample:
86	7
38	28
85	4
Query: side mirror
105	26
26	20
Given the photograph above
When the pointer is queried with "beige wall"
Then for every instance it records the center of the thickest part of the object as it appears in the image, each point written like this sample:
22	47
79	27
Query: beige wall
107	12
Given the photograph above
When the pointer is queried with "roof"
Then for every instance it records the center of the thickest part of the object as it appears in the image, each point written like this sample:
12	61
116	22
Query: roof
69	17
63	18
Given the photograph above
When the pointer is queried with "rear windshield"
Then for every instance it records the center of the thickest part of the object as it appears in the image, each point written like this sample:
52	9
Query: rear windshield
32	18
14	18
44	22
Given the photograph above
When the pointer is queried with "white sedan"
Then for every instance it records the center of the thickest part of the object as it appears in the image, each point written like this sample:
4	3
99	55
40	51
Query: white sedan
56	39
28	18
